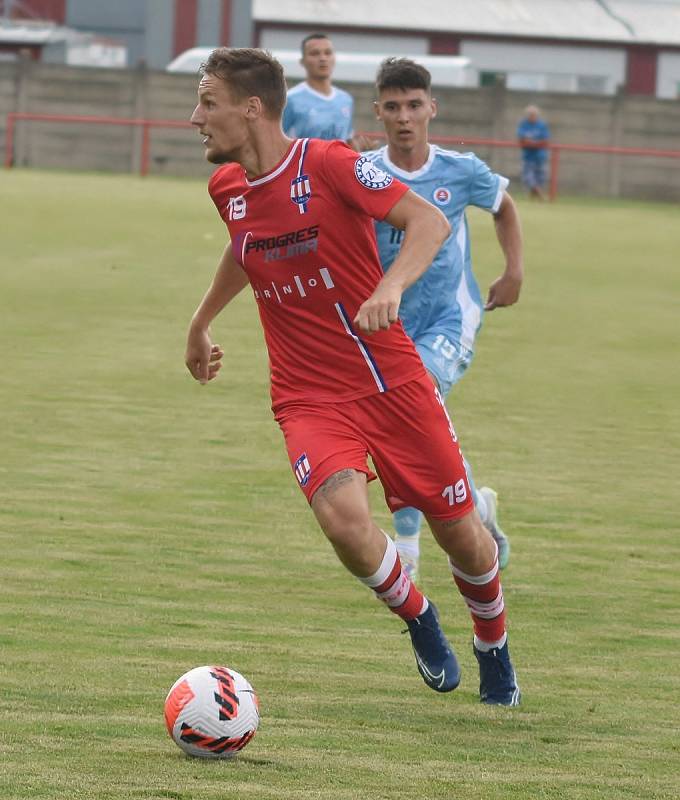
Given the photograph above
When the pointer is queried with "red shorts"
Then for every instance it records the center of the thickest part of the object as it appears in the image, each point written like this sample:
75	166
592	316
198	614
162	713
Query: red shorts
406	431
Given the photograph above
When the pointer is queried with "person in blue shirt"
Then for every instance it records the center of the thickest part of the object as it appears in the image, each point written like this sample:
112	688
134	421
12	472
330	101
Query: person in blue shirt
442	312
534	137
315	108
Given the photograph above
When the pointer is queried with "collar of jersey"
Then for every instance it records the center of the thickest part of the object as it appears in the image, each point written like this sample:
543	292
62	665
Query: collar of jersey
402	173
326	97
269	176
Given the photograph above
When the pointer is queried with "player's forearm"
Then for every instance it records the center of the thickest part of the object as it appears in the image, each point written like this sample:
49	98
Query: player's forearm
425	230
509	235
229	280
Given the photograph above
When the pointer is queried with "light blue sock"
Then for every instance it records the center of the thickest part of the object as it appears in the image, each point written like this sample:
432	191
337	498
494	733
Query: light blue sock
480	502
471	480
407	521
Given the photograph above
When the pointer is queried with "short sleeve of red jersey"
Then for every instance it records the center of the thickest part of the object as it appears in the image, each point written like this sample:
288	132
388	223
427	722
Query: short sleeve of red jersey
359	182
218	188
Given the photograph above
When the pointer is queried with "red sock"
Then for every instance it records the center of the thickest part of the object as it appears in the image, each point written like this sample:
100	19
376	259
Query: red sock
484	597
394	587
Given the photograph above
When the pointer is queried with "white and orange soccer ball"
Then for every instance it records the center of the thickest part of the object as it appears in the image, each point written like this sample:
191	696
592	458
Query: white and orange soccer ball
212	712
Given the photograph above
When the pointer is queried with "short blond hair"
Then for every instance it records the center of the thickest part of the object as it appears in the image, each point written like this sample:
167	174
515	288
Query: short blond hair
250	72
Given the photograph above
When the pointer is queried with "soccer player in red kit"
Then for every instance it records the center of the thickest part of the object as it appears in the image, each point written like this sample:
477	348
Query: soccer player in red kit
346	381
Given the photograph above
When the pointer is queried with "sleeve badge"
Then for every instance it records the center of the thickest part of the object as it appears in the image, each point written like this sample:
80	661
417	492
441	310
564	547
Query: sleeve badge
369	175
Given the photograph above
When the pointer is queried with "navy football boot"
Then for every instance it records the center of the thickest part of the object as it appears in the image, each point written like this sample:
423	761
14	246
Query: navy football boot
434	656
497	680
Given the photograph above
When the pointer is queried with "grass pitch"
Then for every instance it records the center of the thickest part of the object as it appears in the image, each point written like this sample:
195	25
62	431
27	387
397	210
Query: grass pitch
149	525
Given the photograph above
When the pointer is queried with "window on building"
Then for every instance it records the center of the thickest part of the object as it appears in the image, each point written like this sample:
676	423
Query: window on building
591	84
556	82
492	78
526	81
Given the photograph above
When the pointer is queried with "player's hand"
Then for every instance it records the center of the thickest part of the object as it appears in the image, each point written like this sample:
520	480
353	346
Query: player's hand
504	291
361	142
379	311
202	357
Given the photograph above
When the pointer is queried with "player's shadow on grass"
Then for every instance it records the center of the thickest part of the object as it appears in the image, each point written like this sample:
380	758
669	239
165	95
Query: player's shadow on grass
219	762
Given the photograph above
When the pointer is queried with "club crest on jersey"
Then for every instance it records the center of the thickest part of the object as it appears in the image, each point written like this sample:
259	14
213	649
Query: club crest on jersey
301	192
441	196
369	175
302	469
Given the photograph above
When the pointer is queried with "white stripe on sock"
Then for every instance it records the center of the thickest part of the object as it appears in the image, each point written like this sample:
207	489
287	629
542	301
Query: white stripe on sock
397	593
477	580
386	565
486	610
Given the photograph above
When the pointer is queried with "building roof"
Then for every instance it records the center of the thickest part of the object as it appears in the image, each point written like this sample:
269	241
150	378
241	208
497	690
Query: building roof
652	21
27	33
625	21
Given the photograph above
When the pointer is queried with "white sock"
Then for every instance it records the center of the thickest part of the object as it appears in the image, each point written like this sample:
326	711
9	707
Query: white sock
408	545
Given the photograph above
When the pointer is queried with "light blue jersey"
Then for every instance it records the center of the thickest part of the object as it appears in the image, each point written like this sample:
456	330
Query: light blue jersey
309	113
442	311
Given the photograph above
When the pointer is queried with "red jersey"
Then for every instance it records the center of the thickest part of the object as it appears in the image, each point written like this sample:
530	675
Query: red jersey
304	235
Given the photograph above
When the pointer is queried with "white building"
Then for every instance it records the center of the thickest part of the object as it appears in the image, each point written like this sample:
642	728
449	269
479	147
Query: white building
53	43
591	46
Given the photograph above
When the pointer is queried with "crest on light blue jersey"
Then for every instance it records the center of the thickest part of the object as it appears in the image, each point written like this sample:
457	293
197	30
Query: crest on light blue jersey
441	196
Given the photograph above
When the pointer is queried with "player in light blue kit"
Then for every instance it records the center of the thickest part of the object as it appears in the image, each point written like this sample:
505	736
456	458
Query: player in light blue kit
442	311
315	108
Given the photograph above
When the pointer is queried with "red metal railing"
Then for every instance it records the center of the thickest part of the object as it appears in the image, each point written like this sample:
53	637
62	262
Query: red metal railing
146	124
555	150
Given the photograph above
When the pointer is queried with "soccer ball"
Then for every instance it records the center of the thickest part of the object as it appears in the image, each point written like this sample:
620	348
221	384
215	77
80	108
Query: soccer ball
211	712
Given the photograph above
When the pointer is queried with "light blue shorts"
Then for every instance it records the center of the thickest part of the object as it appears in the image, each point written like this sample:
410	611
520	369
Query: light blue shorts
444	360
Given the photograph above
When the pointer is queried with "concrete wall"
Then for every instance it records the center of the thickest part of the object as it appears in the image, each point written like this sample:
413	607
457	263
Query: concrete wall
490	113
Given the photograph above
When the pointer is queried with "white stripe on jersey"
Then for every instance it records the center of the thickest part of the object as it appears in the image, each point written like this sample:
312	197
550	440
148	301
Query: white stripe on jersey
299	285
362	348
503	184
243	248
303	150
301	188
470	312
277	172
326	275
